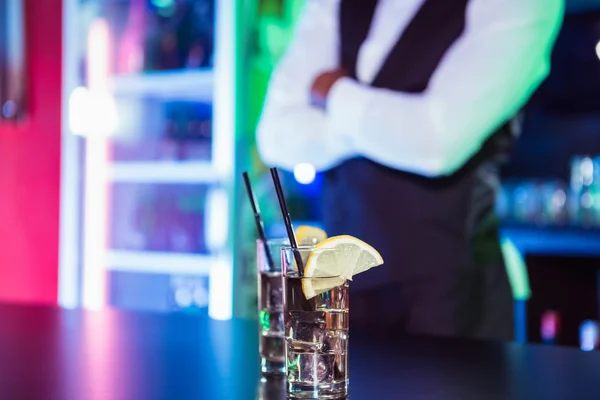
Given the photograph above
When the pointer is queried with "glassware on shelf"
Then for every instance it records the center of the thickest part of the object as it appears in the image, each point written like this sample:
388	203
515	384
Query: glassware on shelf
151	130
589	335
188	292
527	203
130	47
554	203
179	36
584	200
533	202
550	327
149	217
153	36
502	205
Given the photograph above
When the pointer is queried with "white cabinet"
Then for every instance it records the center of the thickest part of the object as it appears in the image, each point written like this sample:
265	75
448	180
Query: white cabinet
147	155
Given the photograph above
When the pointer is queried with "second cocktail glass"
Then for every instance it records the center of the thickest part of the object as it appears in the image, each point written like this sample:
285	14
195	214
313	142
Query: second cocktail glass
270	307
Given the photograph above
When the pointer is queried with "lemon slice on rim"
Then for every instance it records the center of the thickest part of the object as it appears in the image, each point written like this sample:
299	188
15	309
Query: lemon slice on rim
335	260
309	235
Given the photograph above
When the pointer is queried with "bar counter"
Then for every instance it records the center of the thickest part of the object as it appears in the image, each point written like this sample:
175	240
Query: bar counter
55	354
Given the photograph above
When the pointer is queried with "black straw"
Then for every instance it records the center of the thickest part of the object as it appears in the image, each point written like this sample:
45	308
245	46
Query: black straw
287	220
258	221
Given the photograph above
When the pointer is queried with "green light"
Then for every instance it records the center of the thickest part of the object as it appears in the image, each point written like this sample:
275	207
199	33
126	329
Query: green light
163	3
516	270
166	8
265	320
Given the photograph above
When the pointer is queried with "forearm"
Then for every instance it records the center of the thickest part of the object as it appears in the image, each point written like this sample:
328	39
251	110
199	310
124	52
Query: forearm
394	130
423	133
288	136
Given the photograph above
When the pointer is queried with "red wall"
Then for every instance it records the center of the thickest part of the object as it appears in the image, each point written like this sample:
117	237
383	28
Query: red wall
30	168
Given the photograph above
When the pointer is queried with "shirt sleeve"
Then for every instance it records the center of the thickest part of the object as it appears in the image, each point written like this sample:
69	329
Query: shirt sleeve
290	130
482	81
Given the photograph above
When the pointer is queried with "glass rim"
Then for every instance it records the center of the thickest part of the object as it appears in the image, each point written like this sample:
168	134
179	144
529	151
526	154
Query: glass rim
274	241
289	247
294	275
305	249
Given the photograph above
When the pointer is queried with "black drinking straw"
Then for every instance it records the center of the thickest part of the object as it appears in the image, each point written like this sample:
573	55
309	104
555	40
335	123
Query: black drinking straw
258	220
287	220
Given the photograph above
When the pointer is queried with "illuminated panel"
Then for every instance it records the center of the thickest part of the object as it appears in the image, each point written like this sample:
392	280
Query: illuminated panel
68	277
224	119
96	174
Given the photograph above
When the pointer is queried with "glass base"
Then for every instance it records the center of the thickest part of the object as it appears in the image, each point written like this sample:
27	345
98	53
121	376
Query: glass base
272	368
301	390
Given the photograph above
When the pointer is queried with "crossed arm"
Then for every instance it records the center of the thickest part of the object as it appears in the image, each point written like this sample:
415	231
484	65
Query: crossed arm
482	81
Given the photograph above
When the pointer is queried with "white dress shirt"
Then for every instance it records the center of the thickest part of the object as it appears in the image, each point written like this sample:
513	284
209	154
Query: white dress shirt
485	77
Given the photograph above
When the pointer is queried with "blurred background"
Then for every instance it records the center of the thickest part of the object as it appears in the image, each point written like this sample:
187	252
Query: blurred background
125	126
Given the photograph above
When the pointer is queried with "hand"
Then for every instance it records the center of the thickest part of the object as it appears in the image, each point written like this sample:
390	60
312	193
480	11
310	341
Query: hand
322	86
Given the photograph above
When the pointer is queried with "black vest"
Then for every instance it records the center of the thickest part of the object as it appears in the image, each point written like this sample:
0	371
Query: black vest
421	226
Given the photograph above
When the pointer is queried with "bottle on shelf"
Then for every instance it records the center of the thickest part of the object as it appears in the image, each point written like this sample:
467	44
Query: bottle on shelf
180	36
130	47
550	327
589	335
584	191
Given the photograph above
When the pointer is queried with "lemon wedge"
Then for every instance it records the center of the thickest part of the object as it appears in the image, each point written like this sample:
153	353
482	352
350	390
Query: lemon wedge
309	235
335	260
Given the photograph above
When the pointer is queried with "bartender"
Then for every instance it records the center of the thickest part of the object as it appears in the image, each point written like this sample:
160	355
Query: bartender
409	107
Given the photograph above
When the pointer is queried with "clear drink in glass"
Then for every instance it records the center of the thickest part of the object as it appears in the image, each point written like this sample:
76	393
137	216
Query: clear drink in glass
316	332
270	308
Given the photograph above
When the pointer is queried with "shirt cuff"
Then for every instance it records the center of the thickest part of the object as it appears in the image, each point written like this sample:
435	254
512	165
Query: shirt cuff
346	104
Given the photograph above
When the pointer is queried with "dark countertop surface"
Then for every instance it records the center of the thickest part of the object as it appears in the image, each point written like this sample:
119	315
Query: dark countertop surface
48	353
